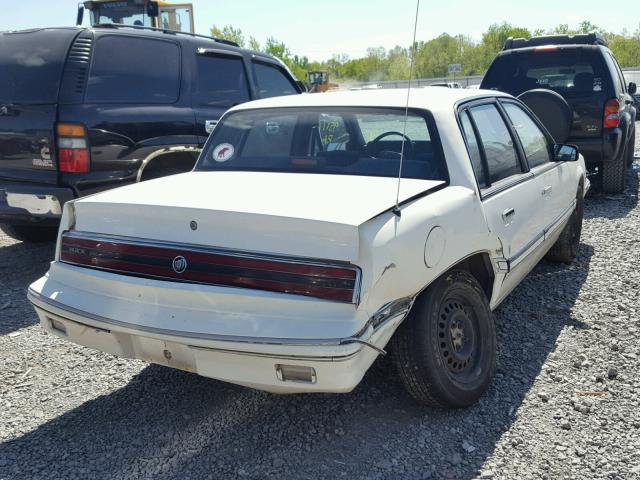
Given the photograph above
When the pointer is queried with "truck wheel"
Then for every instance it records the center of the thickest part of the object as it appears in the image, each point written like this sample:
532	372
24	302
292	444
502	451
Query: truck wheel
30	233
613	173
445	351
566	247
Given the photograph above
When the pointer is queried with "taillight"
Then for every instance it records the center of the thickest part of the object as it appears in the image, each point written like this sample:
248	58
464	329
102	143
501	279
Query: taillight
611	114
175	262
73	151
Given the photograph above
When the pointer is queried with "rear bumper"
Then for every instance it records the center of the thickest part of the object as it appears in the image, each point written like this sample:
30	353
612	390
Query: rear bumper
275	365
31	203
601	149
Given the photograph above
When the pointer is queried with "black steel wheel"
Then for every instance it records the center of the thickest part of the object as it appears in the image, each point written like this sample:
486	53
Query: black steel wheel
445	351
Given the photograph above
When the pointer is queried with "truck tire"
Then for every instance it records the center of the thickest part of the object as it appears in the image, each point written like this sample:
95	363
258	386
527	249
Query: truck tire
445	350
30	233
613	174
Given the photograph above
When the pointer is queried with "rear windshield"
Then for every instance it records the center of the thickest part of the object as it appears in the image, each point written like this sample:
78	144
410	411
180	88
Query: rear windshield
575	72
31	65
348	141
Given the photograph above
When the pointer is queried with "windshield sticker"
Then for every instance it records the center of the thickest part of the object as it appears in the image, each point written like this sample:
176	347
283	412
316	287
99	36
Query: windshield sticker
223	152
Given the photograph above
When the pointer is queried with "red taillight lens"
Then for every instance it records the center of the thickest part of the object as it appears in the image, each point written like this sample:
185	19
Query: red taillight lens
611	114
135	257
73	160
73	151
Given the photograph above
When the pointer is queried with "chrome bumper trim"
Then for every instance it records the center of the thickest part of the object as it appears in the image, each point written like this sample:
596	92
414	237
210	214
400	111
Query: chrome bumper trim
47	305
35	204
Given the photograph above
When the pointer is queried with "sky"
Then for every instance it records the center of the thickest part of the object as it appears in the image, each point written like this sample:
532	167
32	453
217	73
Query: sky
319	29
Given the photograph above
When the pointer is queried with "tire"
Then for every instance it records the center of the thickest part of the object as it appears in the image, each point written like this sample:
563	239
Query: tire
566	247
436	365
631	149
613	174
30	233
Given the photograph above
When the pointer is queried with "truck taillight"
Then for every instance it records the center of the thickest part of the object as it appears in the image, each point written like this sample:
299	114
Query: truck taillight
611	114
73	150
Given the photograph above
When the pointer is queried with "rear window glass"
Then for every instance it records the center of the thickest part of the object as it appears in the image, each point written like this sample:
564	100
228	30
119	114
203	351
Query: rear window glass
348	141
134	70
221	81
31	65
570	72
272	82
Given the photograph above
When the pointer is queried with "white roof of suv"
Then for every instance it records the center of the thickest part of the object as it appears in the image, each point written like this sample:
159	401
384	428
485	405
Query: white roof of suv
431	98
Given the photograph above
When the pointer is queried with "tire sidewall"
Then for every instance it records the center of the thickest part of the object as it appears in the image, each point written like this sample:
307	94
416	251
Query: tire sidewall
457	284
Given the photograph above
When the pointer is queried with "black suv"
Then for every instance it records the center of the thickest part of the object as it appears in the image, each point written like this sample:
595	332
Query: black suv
84	110
586	74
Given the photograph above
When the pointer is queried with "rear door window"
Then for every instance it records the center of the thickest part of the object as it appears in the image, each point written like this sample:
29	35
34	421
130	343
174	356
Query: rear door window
272	82
134	70
221	81
534	143
31	65
502	158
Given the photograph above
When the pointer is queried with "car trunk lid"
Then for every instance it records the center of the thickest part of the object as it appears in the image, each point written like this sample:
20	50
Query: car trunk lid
301	215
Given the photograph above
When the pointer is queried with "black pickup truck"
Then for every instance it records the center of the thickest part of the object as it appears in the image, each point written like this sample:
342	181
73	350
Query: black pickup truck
88	109
583	70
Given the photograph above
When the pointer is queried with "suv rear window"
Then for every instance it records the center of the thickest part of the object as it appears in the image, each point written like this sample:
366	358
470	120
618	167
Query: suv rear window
126	69
570	72
329	140
221	81
31	65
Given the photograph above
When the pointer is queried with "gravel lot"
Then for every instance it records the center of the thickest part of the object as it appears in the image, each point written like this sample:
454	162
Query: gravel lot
564	404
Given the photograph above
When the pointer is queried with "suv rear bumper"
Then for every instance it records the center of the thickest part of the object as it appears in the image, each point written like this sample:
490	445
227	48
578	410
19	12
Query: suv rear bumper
26	204
600	149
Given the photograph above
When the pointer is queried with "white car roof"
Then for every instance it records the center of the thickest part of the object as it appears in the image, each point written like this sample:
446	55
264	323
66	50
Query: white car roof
430	98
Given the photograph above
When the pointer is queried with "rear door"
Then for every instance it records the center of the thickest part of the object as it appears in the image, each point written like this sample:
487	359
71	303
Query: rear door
31	65
220	82
552	177
510	194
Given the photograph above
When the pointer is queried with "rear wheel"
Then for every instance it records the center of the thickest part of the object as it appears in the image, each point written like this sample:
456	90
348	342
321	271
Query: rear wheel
613	173
566	247
445	351
30	233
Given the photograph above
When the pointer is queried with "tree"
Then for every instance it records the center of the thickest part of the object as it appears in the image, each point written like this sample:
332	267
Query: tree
229	33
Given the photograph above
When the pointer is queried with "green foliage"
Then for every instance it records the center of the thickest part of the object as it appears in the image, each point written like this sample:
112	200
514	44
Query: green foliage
228	33
431	57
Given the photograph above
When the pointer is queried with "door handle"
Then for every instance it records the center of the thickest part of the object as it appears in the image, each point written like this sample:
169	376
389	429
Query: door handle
209	125
547	190
508	214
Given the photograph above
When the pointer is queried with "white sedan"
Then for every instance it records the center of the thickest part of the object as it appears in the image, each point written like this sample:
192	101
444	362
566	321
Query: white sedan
294	254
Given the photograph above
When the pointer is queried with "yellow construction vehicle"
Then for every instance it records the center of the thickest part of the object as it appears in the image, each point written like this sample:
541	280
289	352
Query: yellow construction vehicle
318	81
139	13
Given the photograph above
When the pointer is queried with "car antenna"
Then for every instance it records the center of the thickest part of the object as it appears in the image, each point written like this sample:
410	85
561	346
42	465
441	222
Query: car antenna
396	209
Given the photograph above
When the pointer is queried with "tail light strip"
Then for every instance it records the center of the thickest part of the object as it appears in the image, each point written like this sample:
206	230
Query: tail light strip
192	264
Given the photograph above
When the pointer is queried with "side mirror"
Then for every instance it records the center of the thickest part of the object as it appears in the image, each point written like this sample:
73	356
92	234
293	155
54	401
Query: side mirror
152	9
632	89
302	86
80	16
565	153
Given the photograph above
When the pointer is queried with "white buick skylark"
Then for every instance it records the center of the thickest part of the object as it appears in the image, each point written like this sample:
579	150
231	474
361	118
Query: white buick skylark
293	255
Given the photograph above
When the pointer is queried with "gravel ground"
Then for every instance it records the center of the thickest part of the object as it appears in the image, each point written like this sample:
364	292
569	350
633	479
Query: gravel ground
564	403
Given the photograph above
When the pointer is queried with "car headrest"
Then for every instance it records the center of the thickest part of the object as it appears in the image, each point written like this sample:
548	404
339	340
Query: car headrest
583	82
553	111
